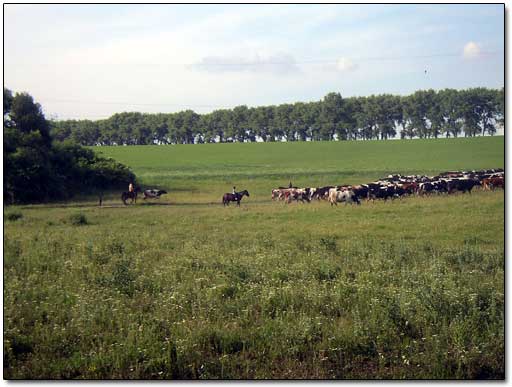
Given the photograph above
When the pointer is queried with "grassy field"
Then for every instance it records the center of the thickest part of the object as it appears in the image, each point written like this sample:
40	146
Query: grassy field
412	288
198	173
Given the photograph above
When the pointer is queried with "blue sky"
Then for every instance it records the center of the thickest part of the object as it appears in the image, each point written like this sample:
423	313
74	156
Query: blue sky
90	61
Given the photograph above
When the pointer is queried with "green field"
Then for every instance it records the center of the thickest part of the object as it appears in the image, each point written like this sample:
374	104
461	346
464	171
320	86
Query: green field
204	172
184	288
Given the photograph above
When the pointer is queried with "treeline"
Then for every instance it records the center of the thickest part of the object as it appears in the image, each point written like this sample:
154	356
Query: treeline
424	114
38	169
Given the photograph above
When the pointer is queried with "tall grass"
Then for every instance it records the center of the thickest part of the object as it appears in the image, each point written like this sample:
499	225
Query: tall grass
405	289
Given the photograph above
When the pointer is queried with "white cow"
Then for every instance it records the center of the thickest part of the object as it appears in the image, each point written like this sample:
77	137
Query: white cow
347	196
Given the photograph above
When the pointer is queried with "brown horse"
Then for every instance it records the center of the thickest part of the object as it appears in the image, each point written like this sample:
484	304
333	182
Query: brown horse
228	197
130	195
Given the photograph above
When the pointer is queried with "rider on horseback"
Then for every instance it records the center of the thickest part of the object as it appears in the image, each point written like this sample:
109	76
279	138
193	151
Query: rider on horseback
234	196
130	187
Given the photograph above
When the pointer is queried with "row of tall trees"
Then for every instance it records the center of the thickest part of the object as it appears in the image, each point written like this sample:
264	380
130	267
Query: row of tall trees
424	114
39	169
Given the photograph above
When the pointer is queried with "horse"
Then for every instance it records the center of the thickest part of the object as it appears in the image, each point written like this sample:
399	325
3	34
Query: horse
130	195
228	197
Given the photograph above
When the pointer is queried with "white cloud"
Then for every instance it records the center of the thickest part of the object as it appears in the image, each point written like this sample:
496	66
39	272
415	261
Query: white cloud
345	65
276	64
472	50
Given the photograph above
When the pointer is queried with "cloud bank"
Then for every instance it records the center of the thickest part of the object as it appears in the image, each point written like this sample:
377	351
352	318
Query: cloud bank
273	64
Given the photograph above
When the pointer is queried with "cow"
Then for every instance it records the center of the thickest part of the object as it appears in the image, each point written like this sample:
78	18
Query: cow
347	196
410	188
361	191
493	182
297	194
322	192
463	185
276	194
281	193
380	190
153	193
434	186
312	193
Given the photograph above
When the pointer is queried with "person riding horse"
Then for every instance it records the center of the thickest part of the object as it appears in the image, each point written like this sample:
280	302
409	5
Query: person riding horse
131	194
234	197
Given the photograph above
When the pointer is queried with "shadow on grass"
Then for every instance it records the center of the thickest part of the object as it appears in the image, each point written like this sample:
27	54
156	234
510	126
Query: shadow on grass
142	204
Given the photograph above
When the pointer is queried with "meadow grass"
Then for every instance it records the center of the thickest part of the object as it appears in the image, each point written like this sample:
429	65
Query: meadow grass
410	288
203	173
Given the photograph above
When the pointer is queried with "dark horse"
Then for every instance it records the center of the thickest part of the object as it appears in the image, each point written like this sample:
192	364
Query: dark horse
228	197
130	195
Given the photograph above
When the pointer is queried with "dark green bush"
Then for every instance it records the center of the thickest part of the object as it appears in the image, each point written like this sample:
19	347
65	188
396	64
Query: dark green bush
12	216
329	243
78	219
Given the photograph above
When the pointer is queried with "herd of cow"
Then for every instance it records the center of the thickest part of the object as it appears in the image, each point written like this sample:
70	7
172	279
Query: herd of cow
397	186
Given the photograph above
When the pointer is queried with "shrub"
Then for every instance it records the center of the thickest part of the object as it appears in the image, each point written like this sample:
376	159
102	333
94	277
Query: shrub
123	277
13	216
329	243
78	219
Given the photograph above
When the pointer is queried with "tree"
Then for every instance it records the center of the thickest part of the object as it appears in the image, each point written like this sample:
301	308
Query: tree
332	116
415	114
8	98
261	122
160	128
434	114
240	123
312	120
450	110
387	111
37	170
500	107
470	114
283	121
27	146
220	120
298	121
367	118
486	107
424	114
28	116
352	110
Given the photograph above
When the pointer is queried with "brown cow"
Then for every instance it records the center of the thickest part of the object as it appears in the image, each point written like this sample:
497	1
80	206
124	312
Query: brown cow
492	183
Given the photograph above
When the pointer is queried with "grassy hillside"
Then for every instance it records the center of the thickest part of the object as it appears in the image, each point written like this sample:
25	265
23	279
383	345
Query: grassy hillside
208	170
410	288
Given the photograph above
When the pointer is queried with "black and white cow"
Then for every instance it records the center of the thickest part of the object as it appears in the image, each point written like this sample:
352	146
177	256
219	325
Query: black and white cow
153	193
321	192
361	191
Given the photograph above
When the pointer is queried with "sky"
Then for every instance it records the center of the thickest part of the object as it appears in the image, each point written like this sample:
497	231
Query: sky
91	61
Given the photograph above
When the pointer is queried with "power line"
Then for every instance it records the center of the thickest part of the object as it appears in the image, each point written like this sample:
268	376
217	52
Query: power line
334	61
265	63
127	103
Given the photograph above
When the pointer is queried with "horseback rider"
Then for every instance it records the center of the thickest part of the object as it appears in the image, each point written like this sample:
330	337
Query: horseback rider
130	187
234	191
290	185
